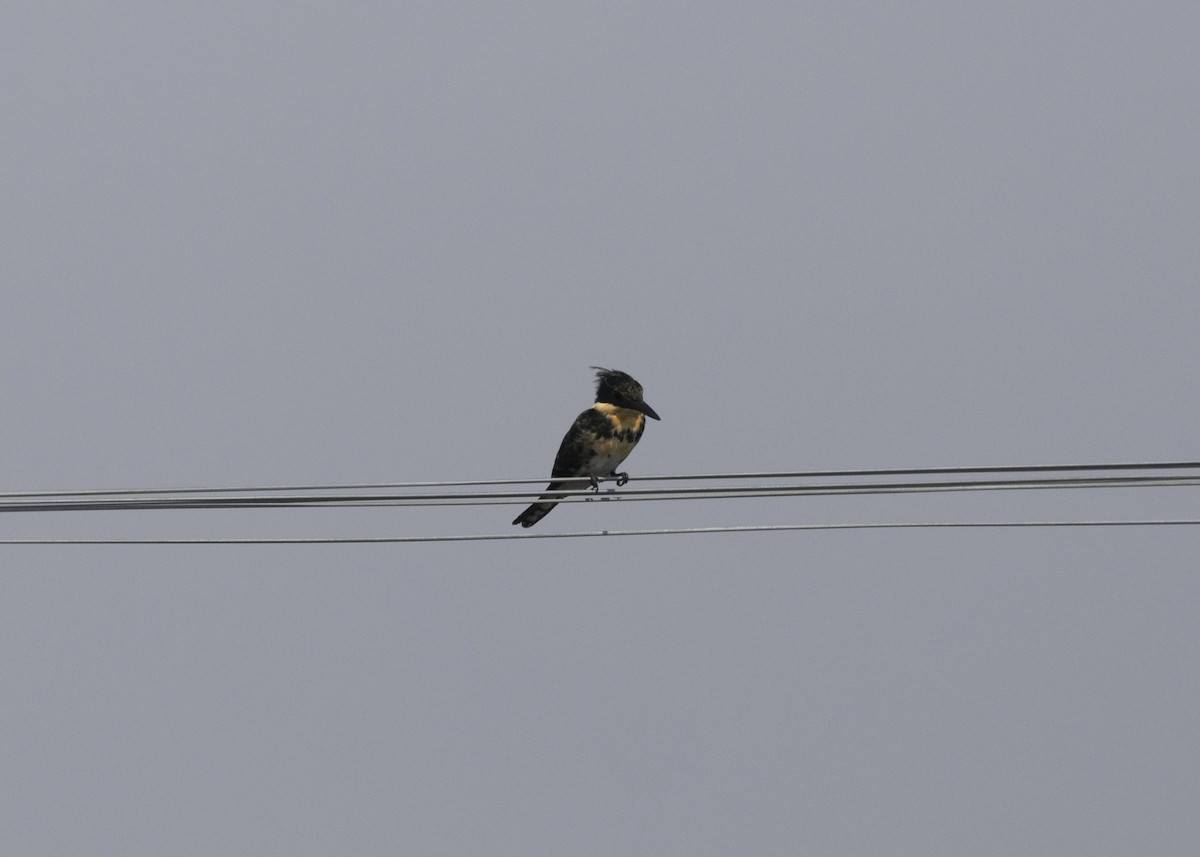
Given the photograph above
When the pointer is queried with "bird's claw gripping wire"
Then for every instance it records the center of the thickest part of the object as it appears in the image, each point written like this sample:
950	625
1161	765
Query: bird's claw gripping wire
621	478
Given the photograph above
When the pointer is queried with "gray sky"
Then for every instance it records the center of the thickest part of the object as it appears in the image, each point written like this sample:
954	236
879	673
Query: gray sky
304	244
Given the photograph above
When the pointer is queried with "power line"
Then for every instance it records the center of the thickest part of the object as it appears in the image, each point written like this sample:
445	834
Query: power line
756	528
541	480
119	501
771	485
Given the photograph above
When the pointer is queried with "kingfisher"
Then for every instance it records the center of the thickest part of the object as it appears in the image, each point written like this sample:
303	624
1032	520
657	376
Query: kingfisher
598	441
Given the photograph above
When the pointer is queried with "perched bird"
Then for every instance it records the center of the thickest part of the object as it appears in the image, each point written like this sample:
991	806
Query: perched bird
599	440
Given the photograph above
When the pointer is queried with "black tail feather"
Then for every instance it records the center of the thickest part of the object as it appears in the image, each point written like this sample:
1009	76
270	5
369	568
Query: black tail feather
546	502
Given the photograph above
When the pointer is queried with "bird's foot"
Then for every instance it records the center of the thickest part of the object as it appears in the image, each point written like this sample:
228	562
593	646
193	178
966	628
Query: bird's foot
595	483
622	478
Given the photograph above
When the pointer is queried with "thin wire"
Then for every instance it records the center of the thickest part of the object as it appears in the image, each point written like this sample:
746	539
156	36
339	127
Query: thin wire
107	503
944	471
743	492
796	474
757	528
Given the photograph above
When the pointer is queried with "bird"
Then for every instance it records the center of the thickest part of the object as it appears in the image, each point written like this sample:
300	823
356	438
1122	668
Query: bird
597	442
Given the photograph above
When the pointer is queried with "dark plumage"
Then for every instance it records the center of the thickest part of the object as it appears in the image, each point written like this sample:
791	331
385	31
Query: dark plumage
597	442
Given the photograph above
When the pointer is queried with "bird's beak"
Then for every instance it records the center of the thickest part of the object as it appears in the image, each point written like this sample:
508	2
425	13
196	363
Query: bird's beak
646	409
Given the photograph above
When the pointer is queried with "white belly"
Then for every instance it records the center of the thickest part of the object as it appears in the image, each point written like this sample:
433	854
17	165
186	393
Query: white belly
609	457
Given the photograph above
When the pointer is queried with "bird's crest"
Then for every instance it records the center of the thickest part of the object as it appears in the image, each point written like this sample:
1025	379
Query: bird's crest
616	387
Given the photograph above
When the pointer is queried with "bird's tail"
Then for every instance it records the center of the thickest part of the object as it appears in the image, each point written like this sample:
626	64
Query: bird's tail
545	503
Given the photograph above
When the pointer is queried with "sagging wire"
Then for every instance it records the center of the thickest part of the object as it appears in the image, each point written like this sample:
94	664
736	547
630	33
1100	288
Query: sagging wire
482	537
340	496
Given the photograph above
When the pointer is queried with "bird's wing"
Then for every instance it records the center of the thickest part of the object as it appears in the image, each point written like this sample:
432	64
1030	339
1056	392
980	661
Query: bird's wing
581	438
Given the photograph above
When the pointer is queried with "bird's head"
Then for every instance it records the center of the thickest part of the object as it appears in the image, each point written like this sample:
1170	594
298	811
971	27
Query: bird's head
617	388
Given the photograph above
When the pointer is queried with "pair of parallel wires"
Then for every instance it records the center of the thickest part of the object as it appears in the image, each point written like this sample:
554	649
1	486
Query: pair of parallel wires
710	486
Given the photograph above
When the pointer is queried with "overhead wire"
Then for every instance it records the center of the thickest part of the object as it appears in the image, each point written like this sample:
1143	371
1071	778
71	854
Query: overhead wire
1154	474
465	483
488	537
119	501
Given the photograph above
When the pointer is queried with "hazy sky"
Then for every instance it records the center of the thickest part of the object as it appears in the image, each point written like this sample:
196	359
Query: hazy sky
251	244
